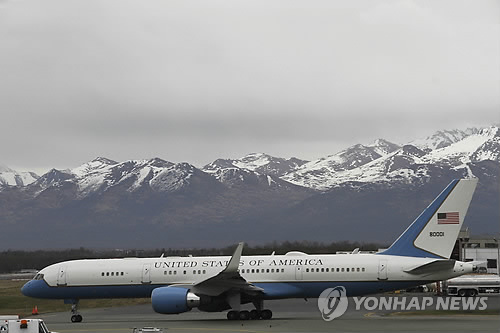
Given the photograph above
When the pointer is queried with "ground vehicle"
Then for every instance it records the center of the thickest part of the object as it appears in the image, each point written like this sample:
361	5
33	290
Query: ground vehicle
12	324
472	285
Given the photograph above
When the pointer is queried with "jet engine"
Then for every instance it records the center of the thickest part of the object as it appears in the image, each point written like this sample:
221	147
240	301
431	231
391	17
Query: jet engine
172	300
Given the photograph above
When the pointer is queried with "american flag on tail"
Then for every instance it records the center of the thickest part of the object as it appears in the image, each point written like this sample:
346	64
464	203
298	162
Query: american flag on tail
448	218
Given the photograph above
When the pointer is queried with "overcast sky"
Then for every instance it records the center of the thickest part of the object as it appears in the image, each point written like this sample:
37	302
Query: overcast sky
199	80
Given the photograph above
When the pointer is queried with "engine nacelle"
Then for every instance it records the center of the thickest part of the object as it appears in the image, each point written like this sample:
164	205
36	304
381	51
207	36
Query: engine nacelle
172	300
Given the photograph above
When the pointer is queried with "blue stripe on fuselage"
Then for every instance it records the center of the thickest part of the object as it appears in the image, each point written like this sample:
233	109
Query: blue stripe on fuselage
272	290
40	289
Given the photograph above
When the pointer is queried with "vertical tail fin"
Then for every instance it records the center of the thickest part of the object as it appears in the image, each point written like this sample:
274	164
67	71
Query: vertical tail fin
434	233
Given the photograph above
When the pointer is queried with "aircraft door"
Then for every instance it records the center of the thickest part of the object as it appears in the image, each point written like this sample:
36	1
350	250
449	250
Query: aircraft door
146	273
298	272
382	269
61	276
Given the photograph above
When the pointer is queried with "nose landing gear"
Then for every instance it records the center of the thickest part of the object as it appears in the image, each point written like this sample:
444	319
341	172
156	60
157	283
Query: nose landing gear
76	317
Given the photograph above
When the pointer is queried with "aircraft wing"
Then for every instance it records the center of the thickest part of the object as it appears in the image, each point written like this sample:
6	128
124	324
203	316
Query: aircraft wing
228	279
432	267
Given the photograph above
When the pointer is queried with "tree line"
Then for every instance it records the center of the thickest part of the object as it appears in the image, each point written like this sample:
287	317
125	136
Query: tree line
15	261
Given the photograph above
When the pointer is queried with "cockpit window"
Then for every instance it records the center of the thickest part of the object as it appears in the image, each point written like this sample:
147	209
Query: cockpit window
38	277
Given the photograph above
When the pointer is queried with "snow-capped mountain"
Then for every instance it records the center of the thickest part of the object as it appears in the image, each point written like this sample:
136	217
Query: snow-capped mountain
257	162
159	202
480	146
408	164
321	174
9	177
96	164
254	169
379	161
53	178
233	176
444	138
101	175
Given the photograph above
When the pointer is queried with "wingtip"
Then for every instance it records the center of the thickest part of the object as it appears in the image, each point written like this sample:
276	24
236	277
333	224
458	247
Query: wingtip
235	258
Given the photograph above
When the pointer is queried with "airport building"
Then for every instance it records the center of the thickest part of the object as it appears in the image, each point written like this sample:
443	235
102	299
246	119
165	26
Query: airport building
486	249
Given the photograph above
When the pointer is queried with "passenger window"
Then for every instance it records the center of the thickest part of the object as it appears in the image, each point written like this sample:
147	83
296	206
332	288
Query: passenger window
357	269
253	270
257	270
338	269
194	272
112	273
272	270
102	274
185	272
363	269
322	270
122	273
164	272
282	270
175	272
342	269
347	269
327	270
307	270
204	272
267	270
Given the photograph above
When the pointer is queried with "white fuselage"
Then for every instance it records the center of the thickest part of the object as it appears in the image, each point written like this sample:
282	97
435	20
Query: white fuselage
312	272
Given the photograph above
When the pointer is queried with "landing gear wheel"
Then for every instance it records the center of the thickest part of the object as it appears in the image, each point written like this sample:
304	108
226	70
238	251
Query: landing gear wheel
244	315
462	292
266	314
233	315
254	314
76	318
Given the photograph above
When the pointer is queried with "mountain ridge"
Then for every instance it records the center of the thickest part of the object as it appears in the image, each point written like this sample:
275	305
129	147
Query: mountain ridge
256	198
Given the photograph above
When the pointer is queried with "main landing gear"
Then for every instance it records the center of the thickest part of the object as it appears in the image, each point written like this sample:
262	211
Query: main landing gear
257	313
246	315
76	317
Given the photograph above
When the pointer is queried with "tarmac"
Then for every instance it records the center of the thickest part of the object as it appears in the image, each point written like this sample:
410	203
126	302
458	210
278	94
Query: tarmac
295	315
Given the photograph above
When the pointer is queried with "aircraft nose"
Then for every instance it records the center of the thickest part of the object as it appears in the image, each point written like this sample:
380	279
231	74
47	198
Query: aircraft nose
32	288
27	289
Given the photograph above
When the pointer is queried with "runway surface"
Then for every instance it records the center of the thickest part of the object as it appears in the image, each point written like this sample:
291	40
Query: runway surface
288	316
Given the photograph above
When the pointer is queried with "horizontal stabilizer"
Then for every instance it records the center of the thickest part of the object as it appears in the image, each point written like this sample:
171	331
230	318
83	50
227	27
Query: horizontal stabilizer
478	262
432	267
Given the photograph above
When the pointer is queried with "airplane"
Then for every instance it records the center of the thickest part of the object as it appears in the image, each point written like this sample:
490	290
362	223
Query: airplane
175	285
